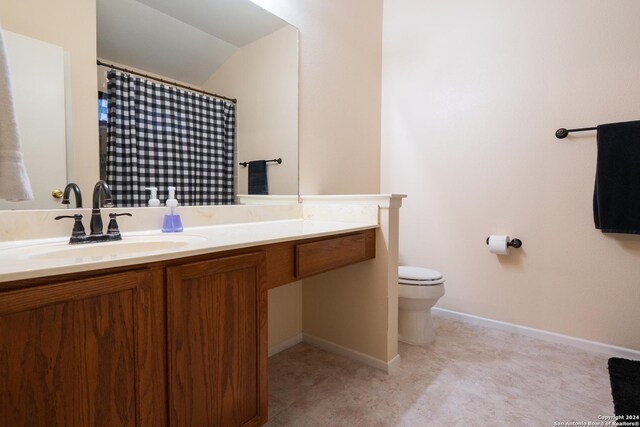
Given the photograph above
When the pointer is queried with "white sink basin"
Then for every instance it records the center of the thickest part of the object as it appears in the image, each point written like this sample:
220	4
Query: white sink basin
137	245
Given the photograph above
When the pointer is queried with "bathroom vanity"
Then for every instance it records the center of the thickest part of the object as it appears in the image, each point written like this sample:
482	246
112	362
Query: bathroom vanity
175	337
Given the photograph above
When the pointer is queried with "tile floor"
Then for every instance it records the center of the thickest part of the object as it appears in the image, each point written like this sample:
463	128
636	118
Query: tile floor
471	376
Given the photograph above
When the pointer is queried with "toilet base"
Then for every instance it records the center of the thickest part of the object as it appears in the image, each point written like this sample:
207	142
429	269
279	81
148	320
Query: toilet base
416	327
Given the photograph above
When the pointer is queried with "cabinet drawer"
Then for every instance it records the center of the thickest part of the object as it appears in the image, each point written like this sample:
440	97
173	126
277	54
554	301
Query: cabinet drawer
317	257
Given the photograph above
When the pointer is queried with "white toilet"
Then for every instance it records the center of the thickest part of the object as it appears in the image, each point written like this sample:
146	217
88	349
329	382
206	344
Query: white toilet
418	290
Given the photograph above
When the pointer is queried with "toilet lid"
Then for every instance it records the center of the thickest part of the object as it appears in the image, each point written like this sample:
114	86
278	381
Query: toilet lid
418	274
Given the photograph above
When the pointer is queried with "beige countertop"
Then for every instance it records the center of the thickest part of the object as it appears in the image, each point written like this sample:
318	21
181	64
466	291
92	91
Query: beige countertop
27	259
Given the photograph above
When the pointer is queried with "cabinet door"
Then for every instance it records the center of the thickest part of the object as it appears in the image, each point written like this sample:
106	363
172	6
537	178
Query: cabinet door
69	354
217	338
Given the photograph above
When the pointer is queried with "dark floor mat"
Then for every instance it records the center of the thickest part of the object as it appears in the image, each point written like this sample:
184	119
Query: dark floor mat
625	385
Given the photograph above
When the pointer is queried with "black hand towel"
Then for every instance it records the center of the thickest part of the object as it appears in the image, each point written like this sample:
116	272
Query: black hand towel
616	198
258	177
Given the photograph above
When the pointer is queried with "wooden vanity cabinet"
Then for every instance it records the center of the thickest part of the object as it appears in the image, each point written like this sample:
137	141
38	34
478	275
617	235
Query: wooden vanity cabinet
217	342
181	342
73	353
110	350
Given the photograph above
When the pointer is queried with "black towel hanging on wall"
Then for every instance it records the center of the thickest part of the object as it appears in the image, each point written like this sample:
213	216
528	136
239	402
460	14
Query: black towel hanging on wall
258	177
616	197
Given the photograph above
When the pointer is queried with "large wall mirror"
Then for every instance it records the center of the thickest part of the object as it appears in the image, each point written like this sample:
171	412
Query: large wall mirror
232	48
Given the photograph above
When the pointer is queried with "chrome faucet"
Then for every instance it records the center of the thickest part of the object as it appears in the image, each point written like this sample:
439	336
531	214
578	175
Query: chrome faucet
76	191
101	198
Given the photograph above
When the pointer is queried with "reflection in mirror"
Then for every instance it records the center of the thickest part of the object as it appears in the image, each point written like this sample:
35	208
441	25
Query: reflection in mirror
229	47
258	69
37	70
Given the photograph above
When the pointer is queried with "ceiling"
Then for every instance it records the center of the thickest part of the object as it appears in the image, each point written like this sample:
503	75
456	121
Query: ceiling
185	40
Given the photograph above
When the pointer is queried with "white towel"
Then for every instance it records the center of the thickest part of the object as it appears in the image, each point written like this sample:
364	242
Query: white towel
14	181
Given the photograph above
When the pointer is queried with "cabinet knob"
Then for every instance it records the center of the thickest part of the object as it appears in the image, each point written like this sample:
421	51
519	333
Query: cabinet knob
57	193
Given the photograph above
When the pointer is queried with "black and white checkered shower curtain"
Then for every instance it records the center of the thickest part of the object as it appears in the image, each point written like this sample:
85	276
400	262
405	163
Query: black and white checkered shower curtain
161	136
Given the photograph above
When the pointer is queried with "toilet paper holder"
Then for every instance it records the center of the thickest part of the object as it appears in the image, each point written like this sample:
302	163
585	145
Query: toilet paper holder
514	243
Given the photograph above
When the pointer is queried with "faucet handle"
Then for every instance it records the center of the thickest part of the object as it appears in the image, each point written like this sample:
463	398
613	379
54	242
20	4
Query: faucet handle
78	229
113	224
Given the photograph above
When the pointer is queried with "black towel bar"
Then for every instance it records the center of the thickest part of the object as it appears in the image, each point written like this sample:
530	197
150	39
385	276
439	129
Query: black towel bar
562	132
278	161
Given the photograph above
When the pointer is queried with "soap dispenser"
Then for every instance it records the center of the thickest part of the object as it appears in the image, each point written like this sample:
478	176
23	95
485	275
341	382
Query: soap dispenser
172	222
153	201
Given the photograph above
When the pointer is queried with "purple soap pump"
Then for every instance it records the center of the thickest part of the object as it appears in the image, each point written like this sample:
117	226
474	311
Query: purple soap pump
172	222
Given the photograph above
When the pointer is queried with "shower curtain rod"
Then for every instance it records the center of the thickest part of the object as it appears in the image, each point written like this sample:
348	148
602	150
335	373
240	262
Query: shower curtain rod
126	70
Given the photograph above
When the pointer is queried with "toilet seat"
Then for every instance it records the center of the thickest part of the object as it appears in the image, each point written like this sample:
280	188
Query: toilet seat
419	289
418	276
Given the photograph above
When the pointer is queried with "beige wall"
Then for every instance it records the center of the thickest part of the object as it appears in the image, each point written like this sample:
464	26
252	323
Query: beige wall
340	60
285	313
472	95
263	76
77	36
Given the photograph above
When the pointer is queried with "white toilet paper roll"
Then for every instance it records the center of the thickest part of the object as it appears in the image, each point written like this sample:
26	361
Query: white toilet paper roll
498	244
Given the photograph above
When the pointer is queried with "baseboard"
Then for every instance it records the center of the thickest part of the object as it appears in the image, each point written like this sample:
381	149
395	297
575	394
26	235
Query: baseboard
388	367
594	346
290	342
393	365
